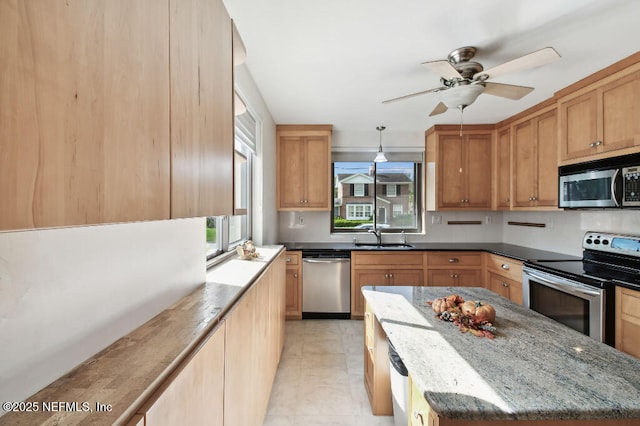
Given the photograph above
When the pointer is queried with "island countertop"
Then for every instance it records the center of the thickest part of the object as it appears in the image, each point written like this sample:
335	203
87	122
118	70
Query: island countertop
535	368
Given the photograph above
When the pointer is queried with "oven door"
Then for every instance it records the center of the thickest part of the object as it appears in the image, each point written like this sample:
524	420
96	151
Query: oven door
574	304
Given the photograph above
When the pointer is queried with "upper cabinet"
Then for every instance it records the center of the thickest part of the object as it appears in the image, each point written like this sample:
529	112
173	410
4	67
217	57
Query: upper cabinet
601	119
459	167
502	168
84	112
534	165
201	109
304	167
114	111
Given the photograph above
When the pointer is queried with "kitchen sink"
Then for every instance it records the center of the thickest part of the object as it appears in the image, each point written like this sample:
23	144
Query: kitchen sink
384	246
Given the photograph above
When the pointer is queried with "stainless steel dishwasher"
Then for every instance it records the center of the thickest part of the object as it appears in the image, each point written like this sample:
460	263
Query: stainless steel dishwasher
326	284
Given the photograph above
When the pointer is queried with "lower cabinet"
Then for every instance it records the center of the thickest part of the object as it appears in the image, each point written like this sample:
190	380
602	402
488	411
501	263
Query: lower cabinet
628	321
419	411
376	366
194	393
453	269
227	379
294	285
504	276
382	268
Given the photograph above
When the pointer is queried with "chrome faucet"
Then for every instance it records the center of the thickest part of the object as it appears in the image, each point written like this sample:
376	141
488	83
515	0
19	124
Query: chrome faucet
404	237
378	234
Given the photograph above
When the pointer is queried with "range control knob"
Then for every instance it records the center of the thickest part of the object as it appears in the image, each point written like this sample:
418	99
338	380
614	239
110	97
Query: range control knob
589	241
605	242
596	242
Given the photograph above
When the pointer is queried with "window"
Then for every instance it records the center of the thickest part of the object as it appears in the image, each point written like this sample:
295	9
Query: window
225	232
384	195
359	211
391	190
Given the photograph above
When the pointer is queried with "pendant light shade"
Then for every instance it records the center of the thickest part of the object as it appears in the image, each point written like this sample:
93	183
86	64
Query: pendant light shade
380	157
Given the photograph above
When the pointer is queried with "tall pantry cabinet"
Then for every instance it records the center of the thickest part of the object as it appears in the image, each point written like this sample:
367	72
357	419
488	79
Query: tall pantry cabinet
114	111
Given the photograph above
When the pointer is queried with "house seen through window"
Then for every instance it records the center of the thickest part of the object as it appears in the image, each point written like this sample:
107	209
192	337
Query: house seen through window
381	195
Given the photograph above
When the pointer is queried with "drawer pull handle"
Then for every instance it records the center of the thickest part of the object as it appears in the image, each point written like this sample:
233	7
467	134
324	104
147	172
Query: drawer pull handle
505	284
295	275
505	266
288	259
418	416
454	260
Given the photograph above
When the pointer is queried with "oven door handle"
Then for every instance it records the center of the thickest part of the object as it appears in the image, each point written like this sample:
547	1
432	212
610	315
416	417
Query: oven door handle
576	288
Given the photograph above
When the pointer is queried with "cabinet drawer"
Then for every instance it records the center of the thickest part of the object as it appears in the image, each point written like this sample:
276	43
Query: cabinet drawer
386	259
293	257
508	268
454	259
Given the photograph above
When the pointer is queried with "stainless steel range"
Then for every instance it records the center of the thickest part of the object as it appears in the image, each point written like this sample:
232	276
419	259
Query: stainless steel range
581	294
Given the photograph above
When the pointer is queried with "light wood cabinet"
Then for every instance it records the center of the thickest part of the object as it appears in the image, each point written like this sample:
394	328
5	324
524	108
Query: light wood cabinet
600	120
504	276
628	321
254	342
303	167
535	166
194	393
202	147
419	411
376	366
382	268
294	285
454	268
84	112
463	168
502	169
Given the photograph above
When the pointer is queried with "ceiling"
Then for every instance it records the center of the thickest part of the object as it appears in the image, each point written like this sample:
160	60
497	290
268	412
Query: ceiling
335	61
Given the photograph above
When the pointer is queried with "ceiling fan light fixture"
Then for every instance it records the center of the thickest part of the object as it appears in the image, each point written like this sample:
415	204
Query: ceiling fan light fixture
380	157
462	95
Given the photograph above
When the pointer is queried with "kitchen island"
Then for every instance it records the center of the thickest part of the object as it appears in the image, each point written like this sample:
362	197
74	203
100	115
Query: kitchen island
536	370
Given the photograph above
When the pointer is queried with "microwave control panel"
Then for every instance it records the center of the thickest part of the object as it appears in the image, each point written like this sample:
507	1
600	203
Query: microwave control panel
631	186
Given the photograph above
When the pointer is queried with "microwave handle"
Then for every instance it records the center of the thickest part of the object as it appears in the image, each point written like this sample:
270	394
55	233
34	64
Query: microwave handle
614	185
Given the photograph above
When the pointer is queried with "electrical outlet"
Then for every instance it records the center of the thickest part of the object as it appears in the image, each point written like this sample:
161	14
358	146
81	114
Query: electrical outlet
436	220
487	220
301	220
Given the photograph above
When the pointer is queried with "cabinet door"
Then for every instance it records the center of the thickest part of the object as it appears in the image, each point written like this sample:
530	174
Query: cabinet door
503	172
318	173
451	174
361	278
468	277
524	164
84	112
441	278
477	150
202	147
628	321
620	109
411	277
579	126
194	396
546	182
293	294
291	171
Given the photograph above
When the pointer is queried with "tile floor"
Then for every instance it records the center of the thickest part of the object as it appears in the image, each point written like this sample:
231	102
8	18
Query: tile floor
320	377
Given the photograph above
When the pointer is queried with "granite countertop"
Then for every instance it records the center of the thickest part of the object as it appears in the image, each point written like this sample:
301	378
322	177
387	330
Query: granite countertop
535	368
126	373
509	250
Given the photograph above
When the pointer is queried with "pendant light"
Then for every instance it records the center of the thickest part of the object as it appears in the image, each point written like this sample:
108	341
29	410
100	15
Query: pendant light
380	157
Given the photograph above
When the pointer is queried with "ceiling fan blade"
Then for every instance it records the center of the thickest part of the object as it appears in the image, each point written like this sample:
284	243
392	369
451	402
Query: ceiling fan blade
508	91
439	109
535	59
443	69
413	94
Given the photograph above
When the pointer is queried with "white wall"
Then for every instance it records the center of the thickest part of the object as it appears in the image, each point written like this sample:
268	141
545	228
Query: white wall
67	293
564	230
265	217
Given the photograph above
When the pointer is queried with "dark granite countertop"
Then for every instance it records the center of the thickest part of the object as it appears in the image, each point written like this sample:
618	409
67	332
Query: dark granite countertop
509	250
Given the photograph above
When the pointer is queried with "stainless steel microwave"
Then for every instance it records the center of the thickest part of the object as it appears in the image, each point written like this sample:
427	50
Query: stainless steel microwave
607	183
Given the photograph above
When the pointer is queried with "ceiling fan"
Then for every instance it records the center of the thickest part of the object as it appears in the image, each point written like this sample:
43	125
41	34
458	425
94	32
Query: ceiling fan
464	80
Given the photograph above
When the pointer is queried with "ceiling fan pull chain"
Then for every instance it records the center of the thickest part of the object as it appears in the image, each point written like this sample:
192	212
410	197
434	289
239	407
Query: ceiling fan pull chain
461	110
